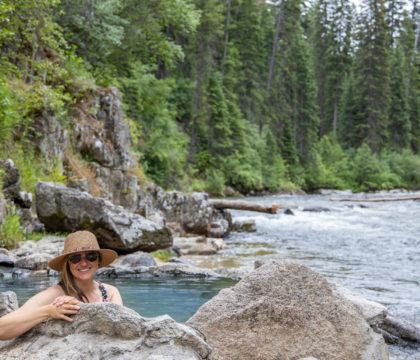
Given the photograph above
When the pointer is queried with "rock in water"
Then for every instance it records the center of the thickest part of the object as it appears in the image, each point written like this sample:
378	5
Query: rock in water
61	208
108	331
285	311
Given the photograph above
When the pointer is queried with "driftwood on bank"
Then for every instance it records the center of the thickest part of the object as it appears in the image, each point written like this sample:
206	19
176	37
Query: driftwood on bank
245	205
402	198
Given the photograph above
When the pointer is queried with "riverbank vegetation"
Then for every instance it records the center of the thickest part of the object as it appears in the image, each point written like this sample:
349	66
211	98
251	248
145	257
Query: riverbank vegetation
246	94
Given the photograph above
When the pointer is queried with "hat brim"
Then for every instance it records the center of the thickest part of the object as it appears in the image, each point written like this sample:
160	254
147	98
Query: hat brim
107	257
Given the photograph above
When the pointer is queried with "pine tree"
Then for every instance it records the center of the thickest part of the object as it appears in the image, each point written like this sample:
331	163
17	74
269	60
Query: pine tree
293	90
399	116
372	76
246	35
331	42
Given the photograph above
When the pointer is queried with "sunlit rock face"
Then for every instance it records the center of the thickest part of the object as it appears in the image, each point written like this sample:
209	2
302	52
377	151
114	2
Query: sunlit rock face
61	208
108	331
285	311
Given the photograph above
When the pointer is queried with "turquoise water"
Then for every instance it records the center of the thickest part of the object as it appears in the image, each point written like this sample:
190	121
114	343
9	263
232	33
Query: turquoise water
179	298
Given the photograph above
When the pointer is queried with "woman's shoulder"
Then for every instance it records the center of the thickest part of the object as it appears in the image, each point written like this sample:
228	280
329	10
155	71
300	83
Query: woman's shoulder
45	296
53	291
110	288
113	293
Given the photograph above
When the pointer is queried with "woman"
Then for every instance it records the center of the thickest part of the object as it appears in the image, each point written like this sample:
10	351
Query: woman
78	264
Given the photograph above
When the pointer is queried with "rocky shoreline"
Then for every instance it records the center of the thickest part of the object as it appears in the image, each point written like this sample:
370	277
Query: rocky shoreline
280	310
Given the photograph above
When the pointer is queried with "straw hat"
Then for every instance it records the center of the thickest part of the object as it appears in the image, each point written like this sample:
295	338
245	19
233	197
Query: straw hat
82	241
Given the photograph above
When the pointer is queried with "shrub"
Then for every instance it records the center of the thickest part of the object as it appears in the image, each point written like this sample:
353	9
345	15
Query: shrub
10	231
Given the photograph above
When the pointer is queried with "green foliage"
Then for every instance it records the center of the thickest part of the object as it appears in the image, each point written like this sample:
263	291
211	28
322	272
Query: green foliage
330	169
370	173
8	112
274	169
10	231
204	109
162	144
399	116
406	166
34	168
163	255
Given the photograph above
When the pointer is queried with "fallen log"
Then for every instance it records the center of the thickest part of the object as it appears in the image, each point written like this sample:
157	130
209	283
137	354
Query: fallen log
403	198
244	205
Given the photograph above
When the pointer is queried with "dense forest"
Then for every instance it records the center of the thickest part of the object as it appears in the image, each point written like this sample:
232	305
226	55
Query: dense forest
250	95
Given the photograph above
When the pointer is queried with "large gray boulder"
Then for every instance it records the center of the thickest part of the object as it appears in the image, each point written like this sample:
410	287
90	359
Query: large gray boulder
64	209
108	331
193	211
285	311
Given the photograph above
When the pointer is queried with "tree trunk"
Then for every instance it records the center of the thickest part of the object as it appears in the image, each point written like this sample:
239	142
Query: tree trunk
245	205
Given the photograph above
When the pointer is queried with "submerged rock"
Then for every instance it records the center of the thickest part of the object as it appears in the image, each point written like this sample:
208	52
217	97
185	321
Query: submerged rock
245	225
285	311
64	209
108	331
197	245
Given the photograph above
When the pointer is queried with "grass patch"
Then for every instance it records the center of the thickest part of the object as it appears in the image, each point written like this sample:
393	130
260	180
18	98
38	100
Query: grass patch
163	255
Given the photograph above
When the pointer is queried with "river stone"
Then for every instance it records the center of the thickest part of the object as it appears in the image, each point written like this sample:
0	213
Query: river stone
8	302
373	312
6	261
193	211
218	228
402	329
35	261
139	258
285	311
244	225
108	331
62	208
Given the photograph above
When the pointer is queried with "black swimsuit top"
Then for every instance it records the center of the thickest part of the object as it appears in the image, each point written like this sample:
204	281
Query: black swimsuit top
102	289
104	294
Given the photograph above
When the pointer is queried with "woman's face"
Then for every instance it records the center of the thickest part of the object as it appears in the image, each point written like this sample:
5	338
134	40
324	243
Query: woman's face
84	265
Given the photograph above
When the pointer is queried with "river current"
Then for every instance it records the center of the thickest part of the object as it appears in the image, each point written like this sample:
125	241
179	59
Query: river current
372	248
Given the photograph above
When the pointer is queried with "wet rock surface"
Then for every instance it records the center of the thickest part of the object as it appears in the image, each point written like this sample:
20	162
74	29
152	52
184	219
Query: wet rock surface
108	331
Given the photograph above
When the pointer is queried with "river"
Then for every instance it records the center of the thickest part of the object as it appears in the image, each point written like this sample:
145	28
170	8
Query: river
372	248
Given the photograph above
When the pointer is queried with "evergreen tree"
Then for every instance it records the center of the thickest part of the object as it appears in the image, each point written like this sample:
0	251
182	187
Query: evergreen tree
293	90
247	36
372	76
399	116
331	42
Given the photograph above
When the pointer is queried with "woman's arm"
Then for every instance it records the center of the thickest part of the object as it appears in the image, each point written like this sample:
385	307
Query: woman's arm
37	309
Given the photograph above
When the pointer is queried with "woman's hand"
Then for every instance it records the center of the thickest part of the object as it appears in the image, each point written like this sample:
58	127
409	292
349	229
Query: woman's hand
63	306
64	299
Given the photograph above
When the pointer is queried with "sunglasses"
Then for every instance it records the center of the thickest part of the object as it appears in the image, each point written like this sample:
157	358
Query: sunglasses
90	256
